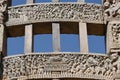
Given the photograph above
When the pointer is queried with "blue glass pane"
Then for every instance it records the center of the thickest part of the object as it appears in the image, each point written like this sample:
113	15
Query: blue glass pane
18	2
15	46
69	43
68	0
94	1
40	1
96	44
43	43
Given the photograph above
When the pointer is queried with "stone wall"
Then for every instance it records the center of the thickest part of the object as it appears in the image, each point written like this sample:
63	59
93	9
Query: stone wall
65	65
50	12
112	10
3	6
60	66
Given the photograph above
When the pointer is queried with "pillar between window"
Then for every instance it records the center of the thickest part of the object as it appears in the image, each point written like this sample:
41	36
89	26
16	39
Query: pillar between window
30	1
82	1
56	37
83	37
55	0
28	38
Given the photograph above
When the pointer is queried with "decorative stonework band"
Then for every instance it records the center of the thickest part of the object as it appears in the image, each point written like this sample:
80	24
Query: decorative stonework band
111	10
50	12
3	6
74	65
113	36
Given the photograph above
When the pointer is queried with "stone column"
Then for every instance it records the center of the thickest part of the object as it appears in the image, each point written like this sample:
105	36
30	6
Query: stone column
3	40
55	0
56	37
30	1
113	37
82	1
29	34
3	37
83	37
113	45
28	38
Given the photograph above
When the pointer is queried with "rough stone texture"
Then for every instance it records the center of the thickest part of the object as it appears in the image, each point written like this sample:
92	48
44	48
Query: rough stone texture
76	12
113	35
3	6
112	10
61	65
99	20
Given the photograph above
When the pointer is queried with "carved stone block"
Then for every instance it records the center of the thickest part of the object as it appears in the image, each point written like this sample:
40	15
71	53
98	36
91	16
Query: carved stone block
1	37
90	13
113	35
60	65
112	10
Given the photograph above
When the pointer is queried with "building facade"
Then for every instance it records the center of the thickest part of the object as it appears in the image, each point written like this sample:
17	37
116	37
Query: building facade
60	18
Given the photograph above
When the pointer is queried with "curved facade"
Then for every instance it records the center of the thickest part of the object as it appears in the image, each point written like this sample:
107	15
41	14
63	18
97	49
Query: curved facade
60	17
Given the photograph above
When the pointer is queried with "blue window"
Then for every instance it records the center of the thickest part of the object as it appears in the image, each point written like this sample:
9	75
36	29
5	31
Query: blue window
15	45
96	44
18	2
70	43
94	1
43	43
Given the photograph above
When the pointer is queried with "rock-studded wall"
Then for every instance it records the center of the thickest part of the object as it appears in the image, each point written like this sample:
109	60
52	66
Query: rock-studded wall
112	10
74	12
112	18
114	36
3	6
65	65
61	65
